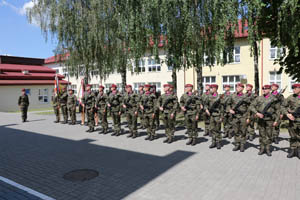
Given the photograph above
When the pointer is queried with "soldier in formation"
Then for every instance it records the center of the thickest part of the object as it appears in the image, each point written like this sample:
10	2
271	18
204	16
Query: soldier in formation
71	105
250	126
227	115
63	99
55	104
23	103
101	107
89	101
205	116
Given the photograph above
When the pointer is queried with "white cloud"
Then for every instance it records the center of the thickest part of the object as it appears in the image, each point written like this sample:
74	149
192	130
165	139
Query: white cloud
25	7
20	11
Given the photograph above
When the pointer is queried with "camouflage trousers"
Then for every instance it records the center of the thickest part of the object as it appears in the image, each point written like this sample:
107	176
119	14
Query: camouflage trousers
72	113
102	117
56	112
131	118
157	121
64	111
206	120
149	124
251	128
116	121
141	116
24	110
239	127
169	124
191	125
276	131
227	124
294	131
265	132
91	117
215	128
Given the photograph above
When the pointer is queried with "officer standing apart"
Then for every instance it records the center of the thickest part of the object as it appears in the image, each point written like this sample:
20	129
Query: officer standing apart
114	103
101	107
292	110
215	110
89	100
268	113
168	104
130	104
23	103
55	104
238	106
190	105
63	99
148	107
71	104
227	115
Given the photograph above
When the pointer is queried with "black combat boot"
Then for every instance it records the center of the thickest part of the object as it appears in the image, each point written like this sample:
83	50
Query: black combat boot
276	141
213	145
92	129
242	148
205	133
298	152
56	121
151	138
130	135
88	131
261	150
229	135
194	142
237	147
134	136
166	140
148	137
189	141
118	134
292	153
170	140
225	135
114	133
268	151
218	145
251	138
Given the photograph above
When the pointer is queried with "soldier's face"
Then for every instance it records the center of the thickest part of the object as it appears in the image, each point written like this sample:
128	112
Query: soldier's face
146	89
227	89
214	90
189	89
23	92
113	89
266	91
207	88
239	89
296	90
128	89
249	88
70	92
166	89
274	88
88	89
101	89
141	88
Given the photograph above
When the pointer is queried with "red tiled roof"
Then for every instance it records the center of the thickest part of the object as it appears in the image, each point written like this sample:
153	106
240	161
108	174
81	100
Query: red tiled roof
30	68
30	82
58	58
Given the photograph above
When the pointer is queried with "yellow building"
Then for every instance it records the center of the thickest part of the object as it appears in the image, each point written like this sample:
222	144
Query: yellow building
243	68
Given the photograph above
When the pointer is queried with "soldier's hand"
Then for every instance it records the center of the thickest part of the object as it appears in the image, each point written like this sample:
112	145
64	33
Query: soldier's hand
172	116
291	117
207	112
120	113
153	116
221	119
201	106
260	115
248	121
135	113
142	107
275	124
183	109
108	105
232	111
281	116
161	108
124	106
197	117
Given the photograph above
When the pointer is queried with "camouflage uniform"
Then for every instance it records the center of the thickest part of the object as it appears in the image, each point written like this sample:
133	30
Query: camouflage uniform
71	104
206	118
191	103
169	103
214	104
276	129
63	98
89	100
130	100
227	117
250	128
239	104
157	112
148	101
55	104
265	125
101	106
292	106
23	103
115	100
140	113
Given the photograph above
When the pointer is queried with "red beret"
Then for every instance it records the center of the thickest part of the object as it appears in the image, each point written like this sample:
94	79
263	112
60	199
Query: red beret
214	86
275	85
87	85
147	85
226	86
167	85
249	85
296	85
114	86
127	86
266	87
141	86
207	85
70	89
240	85
23	90
188	85
101	86
171	86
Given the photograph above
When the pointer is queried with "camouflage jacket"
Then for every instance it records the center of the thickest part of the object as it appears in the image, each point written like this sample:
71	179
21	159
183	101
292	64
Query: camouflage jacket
115	101
239	104
131	101
148	101
169	103
101	101
23	100
72	100
215	105
260	105
89	100
55	101
191	103
227	97
63	98
292	105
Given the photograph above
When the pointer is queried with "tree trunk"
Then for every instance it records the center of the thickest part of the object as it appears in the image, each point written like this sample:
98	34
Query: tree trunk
256	73
123	77
174	79
199	80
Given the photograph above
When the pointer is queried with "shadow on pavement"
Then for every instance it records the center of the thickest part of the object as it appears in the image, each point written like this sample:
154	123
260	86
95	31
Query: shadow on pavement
40	162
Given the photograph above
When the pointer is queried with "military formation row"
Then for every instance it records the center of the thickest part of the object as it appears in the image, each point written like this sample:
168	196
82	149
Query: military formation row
237	111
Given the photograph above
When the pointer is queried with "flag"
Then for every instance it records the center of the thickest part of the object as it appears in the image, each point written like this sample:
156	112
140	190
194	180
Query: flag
56	85
81	91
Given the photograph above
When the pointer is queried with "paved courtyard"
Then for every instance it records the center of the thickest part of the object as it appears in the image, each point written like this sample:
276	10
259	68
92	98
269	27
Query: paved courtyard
38	153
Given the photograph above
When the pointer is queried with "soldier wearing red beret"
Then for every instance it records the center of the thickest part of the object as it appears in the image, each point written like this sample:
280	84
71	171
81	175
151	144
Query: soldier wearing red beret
250	129
23	103
140	113
89	101
280	101
101	107
63	99
205	116
227	122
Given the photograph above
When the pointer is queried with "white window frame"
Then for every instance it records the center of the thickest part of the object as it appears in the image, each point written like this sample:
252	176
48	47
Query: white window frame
157	84
74	88
275	80
107	87
204	81
236	79
277	52
43	95
141	67
152	64
137	85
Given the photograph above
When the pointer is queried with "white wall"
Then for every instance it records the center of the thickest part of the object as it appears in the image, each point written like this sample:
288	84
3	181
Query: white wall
9	96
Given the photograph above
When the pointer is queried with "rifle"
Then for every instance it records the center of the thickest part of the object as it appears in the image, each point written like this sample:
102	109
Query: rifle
167	101
213	107
236	107
266	108
188	102
296	114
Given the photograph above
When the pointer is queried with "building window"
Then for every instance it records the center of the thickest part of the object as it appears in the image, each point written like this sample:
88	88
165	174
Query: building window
208	80
275	77
141	67
170	68
107	87
43	95
57	71
153	65
137	85
292	82
65	71
95	72
275	52
157	84
237	54
74	88
94	87
27	91
231	80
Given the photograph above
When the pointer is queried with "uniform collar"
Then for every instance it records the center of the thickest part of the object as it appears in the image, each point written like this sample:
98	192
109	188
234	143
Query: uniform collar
267	96
275	92
215	94
239	94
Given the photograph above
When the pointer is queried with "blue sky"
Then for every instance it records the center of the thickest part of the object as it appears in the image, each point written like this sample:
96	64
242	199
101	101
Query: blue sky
17	36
